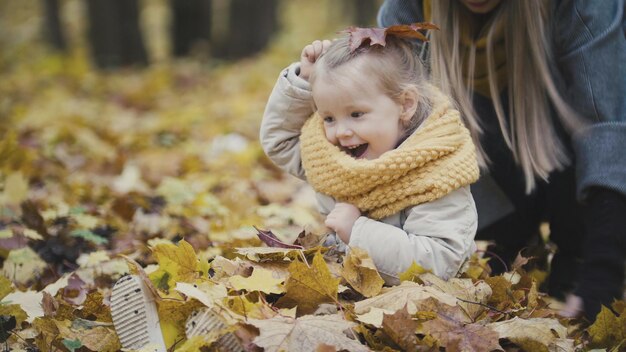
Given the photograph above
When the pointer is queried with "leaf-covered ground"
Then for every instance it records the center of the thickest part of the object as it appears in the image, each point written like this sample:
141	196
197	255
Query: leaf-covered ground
159	172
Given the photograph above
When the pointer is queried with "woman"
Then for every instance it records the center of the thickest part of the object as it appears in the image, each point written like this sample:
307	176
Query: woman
542	86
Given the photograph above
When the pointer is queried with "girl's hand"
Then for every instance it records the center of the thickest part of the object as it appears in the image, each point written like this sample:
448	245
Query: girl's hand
309	56
341	219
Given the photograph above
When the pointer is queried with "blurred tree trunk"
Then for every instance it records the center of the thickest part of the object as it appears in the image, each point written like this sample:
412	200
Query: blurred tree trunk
52	25
191	23
360	13
114	33
251	24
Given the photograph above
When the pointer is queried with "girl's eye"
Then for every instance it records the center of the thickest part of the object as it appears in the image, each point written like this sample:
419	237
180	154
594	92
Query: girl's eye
356	114
328	119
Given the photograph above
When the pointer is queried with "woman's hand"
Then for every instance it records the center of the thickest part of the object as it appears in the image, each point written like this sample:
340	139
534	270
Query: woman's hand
309	56
341	219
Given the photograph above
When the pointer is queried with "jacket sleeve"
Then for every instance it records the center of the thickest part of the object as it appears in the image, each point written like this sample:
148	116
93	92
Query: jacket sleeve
290	104
399	12
590	47
438	235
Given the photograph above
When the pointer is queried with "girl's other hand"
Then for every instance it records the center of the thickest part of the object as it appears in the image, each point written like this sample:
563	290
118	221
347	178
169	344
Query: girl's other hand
341	219
309	56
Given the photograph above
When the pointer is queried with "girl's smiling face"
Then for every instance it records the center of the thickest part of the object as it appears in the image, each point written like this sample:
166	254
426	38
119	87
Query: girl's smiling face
359	118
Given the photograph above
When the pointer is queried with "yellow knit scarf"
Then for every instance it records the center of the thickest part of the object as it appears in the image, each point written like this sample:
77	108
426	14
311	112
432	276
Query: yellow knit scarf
436	159
469	28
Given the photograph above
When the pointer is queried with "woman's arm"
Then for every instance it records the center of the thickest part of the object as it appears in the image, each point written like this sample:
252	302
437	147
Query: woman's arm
438	235
290	104
591	52
591	55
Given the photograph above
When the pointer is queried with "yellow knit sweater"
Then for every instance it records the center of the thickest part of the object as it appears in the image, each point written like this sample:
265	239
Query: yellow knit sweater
436	159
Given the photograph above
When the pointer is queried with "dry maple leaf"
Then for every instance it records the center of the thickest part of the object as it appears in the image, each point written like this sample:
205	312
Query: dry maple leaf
471	295
377	36
608	329
453	333
406	294
304	333
536	334
272	241
309	286
360	272
401	328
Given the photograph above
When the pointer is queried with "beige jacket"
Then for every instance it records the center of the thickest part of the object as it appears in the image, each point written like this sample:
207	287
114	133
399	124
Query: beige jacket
438	235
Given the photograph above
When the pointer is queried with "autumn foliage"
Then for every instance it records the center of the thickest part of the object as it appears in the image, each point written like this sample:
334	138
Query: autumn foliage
159	173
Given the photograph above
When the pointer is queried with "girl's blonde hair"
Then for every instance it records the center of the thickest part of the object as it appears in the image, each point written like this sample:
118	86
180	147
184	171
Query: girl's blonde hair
531	134
394	68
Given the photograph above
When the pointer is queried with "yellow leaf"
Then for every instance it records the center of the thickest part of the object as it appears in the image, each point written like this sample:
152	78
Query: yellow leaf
196	343
15	189
32	234
23	265
261	280
173	314
6	233
608	329
92	259
6	287
360	272
28	301
476	267
48	331
175	191
93	335
413	273
180	262
14	310
86	221
309	286
204	292
500	288
242	306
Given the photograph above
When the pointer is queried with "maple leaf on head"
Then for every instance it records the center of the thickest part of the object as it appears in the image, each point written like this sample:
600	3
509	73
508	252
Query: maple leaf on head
377	36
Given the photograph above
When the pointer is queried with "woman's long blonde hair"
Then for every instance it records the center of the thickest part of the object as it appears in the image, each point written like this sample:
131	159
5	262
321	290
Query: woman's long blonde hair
531	135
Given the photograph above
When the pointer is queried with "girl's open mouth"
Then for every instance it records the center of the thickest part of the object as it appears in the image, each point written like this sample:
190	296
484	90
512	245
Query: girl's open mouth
355	151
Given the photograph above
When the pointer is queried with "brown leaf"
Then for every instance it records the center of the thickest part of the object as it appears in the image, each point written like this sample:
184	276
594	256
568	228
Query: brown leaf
377	36
453	333
402	329
49	305
472	294
309	239
32	218
75	292
272	241
360	272
500	288
304	333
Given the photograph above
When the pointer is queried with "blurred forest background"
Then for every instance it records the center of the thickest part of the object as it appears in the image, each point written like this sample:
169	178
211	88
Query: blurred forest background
131	127
125	121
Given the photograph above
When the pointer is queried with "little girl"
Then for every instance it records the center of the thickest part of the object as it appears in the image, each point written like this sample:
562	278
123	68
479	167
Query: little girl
385	150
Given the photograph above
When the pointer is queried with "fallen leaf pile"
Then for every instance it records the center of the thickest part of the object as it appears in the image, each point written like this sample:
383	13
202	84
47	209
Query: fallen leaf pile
159	173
